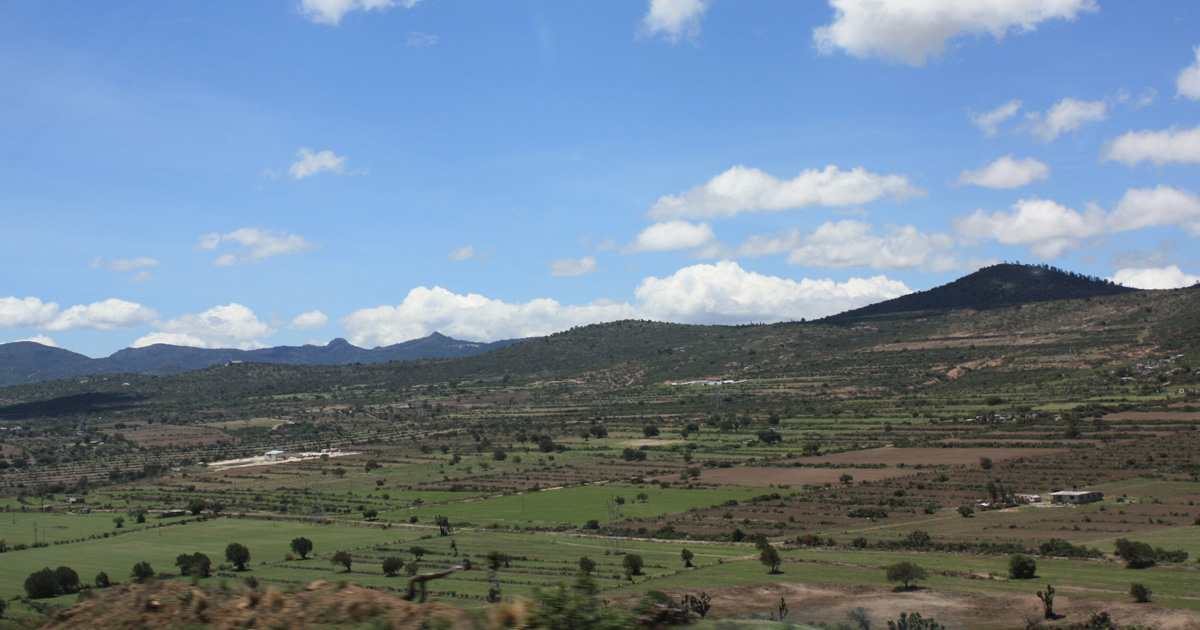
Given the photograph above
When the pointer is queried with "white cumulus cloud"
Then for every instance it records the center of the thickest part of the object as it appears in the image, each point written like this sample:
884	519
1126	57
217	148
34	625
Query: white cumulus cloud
1171	277
309	320
989	120
724	293
42	339
311	163
1050	229
572	267
331	11
1006	173
1162	205
912	31
27	312
471	317
675	19
853	243
255	244
107	314
104	315
1069	114
228	326
1187	84
741	189
1160	147
702	294
672	235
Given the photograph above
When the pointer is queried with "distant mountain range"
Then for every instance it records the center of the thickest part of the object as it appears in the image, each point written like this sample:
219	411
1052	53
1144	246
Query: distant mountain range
28	362
993	287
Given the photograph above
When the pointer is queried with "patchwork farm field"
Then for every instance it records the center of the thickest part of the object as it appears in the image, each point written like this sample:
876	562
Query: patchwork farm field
843	469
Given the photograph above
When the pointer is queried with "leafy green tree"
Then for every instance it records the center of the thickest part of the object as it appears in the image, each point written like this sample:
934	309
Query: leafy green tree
119	521
302	547
687	555
141	572
41	584
586	565
906	572
238	554
770	558
1139	592
633	563
68	580
650	431
417	551
443	525
343	558
392	565
196	506
195	564
370	514
102	580
3	606
1021	567
1137	555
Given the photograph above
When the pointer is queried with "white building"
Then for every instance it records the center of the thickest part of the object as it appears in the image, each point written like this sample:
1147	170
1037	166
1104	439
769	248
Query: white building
1075	497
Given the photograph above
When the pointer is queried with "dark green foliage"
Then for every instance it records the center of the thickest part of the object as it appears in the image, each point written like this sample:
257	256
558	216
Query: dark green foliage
770	558
914	621
1139	592
417	551
650	431
141	572
342	558
68	580
42	584
102	580
1021	567
633	563
443	525
649	600
633	455
868	512
370	514
1137	555
586	565
906	572
392	565
687	556
196	564
302	547
238	554
196	506
1060	548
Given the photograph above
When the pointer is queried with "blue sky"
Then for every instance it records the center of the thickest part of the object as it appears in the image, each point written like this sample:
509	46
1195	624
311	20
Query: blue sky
234	174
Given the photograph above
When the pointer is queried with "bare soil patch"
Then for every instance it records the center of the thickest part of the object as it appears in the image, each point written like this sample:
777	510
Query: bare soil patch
1179	416
789	476
174	435
829	603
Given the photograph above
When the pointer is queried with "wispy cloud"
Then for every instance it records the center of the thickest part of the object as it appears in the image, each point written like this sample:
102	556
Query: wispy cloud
255	244
331	12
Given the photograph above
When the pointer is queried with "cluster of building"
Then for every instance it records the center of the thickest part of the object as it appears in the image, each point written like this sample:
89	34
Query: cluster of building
1061	497
706	381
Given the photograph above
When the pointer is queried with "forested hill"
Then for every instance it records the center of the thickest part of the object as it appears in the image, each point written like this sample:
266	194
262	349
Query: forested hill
28	362
998	286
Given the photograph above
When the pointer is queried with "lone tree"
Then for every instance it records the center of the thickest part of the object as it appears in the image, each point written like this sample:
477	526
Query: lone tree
769	557
417	551
302	547
392	565
343	558
141	572
687	556
1021	567
906	572
586	565
68	579
238	554
1139	592
633	563
443	525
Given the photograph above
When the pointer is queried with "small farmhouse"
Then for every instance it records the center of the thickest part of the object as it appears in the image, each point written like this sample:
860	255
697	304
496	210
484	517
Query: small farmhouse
276	455
1075	497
